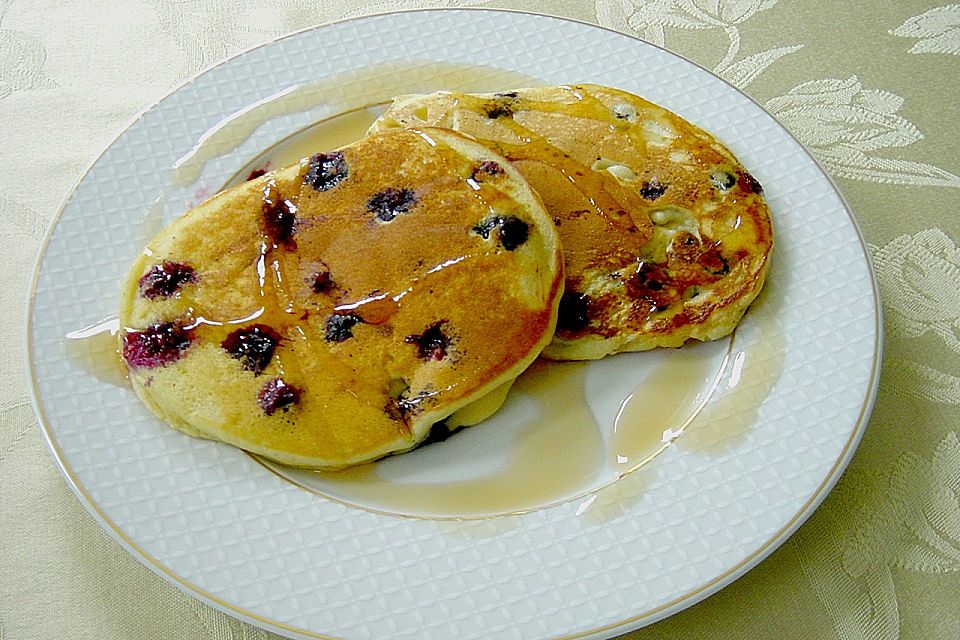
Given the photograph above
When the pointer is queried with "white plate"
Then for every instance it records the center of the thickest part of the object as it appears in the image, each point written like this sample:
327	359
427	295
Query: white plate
778	419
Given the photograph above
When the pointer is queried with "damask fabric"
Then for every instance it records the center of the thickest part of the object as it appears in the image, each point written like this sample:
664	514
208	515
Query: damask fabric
869	87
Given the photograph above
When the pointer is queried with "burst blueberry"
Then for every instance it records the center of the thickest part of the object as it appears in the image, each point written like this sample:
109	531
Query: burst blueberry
158	345
253	346
340	326
277	395
326	170
432	344
164	280
388	204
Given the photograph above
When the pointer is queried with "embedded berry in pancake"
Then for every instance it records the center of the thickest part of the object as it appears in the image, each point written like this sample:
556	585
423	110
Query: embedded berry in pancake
666	236
165	279
330	312
252	346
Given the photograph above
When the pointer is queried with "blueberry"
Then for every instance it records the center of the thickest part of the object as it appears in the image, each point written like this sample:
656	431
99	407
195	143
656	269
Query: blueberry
252	346
749	183
648	277
652	189
402	407
512	231
722	180
279	220
498	109
326	170
157	345
276	395
322	281
389	203
574	311
432	344
340	326
487	168
164	280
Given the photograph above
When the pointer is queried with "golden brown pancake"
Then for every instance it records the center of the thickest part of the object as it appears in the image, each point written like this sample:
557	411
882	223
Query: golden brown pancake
330	312
666	236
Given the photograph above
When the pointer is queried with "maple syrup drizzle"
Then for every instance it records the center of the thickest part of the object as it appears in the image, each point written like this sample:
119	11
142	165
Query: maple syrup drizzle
96	350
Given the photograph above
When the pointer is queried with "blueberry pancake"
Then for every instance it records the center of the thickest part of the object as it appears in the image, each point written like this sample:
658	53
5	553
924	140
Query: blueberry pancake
666	236
330	312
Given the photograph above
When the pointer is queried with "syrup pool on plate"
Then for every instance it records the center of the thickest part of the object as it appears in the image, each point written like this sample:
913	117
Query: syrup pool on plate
95	349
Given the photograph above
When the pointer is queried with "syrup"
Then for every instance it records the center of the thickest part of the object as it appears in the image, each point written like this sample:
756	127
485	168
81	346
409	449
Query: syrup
96	350
553	453
659	408
753	372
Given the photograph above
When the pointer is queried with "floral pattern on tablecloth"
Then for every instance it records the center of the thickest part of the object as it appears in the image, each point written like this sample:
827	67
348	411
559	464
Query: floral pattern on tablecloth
936	30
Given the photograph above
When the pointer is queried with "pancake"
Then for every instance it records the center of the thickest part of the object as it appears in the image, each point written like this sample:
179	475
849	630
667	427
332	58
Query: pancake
666	236
330	312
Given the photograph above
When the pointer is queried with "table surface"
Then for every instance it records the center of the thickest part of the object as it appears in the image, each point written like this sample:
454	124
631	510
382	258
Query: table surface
869	87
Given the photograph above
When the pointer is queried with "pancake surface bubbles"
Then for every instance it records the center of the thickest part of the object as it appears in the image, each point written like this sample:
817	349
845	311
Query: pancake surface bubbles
666	236
329	312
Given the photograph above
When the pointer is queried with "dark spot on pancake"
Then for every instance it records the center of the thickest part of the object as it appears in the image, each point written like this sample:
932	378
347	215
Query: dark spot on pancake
252	346
713	262
276	395
624	112
257	173
402	407
279	219
164	280
322	281
432	344
652	189
511	231
499	109
722	180
389	203
326	171
340	326
486	226
684	247
157	345
648	277
487	168
574	313
749	183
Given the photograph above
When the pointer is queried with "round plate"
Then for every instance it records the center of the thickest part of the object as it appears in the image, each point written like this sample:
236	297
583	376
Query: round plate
783	417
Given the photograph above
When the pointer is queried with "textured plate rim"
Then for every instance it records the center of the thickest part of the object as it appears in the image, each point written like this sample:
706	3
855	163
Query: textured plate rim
625	625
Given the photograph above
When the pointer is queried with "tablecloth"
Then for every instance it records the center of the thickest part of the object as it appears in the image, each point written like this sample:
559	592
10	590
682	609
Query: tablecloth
870	87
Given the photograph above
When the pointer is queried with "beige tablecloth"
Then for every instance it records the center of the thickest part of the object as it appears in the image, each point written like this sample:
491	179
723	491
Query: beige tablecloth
871	88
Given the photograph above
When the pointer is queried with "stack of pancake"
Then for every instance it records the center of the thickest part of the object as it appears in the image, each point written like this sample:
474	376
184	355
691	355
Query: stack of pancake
333	311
